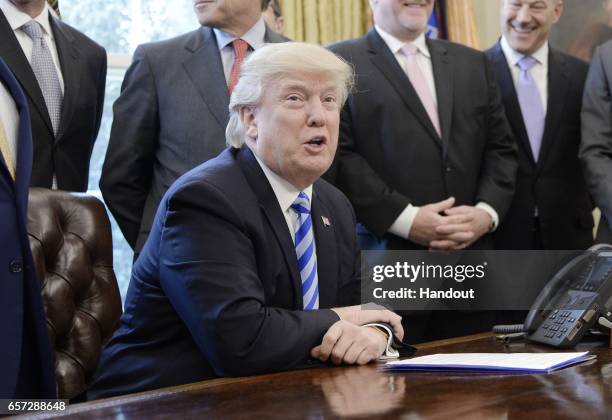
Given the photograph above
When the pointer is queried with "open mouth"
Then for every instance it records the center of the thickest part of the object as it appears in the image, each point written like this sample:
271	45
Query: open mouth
316	143
414	5
523	29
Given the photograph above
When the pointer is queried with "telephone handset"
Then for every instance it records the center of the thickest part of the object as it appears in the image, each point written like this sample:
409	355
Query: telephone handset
574	300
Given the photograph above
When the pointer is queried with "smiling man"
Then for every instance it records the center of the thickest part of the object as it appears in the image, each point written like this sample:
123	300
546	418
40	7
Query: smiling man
542	93
252	259
425	155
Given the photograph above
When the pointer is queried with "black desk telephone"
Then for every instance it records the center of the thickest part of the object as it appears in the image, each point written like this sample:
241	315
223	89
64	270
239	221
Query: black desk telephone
574	300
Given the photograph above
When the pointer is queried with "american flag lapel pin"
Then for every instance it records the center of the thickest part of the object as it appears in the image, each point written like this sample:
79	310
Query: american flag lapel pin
326	221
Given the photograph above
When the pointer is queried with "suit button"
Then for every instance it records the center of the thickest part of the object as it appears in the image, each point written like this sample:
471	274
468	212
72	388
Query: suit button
449	169
15	267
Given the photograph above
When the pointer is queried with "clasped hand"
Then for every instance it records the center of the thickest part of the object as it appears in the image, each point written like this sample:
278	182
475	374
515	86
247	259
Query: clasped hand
348	342
440	226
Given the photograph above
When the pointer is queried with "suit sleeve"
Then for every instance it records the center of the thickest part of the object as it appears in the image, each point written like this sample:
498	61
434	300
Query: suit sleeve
377	204
209	271
498	172
596	146
128	165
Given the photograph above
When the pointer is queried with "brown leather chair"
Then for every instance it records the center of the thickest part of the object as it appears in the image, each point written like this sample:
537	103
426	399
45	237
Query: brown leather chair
70	237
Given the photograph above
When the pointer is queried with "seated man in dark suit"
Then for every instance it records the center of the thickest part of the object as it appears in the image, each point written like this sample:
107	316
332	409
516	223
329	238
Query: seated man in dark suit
252	259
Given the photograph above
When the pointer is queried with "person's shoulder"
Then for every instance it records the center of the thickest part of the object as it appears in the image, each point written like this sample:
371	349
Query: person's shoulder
85	43
171	45
605	49
456	49
220	173
348	47
574	63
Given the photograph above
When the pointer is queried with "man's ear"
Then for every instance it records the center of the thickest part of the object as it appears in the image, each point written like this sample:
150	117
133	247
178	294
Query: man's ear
249	121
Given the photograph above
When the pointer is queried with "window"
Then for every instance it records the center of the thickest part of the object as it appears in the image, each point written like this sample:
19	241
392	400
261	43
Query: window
120	26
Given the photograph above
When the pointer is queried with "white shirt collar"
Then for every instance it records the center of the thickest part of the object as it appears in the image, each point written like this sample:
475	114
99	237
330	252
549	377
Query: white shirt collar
395	44
254	36
513	56
16	18
285	192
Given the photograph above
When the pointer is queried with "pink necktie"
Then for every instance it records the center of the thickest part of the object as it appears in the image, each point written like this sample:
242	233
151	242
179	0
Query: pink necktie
418	81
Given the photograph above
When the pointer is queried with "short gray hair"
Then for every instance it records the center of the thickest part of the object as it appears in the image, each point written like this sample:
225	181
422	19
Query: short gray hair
267	64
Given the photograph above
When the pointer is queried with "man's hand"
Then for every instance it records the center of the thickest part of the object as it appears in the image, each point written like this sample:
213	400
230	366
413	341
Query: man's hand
427	220
469	224
350	344
371	313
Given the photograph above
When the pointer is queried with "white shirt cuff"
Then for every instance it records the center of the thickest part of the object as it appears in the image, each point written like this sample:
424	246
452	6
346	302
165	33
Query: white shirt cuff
492	213
390	352
402	225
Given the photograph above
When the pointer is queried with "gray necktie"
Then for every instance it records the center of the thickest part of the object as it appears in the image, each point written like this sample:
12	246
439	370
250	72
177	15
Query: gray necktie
45	72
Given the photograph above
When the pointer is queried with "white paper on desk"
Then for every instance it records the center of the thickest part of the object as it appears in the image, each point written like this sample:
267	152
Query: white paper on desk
486	362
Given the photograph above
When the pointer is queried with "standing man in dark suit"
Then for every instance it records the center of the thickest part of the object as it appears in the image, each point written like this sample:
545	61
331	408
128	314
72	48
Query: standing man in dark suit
425	157
172	111
63	74
252	259
596	146
26	358
542	92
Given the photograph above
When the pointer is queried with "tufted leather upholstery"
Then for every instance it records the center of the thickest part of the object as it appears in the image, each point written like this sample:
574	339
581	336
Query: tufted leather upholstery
71	243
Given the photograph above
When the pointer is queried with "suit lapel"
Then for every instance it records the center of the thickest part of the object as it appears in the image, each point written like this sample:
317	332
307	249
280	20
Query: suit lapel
11	52
204	68
442	65
510	99
327	252
24	136
273	213
70	63
383	59
558	87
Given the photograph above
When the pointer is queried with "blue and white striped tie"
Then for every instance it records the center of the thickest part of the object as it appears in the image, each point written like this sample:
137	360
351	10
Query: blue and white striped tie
306	255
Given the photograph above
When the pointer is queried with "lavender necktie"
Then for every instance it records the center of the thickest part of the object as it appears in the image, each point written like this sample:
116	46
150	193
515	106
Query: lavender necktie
531	105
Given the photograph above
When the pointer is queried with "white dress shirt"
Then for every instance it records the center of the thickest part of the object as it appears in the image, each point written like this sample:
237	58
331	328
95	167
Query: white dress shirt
9	116
403	224
539	72
285	193
17	19
254	37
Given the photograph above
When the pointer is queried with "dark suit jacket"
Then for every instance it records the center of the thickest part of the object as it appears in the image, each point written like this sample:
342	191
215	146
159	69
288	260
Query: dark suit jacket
170	117
216	290
596	146
555	184
26	358
390	154
83	64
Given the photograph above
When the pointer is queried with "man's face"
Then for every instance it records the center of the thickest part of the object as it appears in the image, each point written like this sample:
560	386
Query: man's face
404	19
276	23
527	23
294	130
222	13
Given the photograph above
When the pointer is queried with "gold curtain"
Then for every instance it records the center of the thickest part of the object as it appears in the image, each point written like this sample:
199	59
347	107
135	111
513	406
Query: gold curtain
325	21
461	23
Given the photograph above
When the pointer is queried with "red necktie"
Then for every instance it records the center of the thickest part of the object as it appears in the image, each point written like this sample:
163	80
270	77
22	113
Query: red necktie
240	49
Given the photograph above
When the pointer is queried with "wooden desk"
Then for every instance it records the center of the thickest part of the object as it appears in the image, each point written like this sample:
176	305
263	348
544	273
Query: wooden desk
583	391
